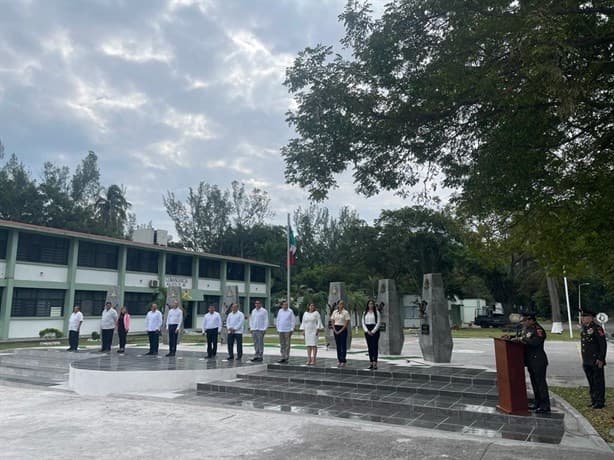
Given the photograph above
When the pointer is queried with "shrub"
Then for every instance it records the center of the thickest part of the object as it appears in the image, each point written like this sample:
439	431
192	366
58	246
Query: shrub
50	333
95	335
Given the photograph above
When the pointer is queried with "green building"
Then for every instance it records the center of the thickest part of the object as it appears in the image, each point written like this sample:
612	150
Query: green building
45	271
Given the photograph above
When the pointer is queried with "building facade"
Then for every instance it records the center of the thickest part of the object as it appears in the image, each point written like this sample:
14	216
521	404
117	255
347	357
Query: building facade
44	272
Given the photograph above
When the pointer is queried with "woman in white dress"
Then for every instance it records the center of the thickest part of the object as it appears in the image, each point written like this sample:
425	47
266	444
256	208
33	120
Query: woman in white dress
311	325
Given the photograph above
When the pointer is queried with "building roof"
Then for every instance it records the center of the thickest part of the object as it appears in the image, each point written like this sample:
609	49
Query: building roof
123	242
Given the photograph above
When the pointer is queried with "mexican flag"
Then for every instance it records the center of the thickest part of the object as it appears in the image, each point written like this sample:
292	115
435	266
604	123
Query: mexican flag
291	246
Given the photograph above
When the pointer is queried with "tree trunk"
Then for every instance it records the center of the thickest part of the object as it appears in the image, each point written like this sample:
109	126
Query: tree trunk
553	292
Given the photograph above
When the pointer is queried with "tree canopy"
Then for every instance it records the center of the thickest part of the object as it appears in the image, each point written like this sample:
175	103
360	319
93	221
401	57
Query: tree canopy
510	101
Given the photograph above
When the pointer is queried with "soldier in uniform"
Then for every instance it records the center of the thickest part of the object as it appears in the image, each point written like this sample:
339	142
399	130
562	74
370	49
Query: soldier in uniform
533	337
594	348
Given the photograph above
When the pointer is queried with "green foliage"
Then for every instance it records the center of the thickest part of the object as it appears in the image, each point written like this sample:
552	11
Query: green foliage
95	335
50	332
510	101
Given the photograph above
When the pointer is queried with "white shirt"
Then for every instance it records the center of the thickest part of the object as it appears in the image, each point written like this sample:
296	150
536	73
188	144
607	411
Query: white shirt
235	321
285	320
108	319
153	320
175	316
369	318
212	321
75	320
259	320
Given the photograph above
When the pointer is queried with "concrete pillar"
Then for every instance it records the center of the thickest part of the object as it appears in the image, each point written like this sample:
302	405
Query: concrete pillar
391	327
69	296
435	335
7	292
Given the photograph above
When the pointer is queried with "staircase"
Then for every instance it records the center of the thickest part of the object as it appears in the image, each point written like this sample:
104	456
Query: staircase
446	398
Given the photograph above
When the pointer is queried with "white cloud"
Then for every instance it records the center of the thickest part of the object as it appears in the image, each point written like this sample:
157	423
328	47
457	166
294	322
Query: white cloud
189	124
136	50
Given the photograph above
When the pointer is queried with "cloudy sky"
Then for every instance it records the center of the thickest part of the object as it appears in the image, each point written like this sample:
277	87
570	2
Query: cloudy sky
168	93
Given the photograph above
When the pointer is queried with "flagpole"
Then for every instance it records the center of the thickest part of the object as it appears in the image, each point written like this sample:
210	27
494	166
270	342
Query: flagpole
288	263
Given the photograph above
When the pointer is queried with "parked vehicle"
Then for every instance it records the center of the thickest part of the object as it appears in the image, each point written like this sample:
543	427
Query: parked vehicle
487	317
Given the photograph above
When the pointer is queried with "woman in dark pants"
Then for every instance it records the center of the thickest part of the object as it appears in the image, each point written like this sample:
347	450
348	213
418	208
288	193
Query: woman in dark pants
341	321
123	326
370	324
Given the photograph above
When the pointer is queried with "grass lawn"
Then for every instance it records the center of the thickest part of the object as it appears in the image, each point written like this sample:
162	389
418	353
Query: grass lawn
480	333
601	419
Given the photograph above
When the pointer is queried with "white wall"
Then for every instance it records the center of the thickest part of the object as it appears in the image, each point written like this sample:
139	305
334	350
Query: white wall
140	279
2	269
27	328
240	285
29	272
209	285
102	277
257	288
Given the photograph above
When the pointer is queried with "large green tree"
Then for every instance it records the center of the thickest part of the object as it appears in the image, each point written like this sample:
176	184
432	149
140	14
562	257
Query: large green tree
509	100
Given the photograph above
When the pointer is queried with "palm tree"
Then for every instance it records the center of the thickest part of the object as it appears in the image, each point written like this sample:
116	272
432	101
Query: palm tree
112	210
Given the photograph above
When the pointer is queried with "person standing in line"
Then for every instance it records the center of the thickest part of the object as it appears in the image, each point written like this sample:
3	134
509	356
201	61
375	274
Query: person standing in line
594	348
108	321
533	337
370	324
258	324
123	326
341	322
153	324
285	322
173	326
212	326
234	324
74	326
311	325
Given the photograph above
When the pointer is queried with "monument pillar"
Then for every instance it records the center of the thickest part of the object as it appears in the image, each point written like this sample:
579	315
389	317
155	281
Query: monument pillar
435	334
336	292
231	295
391	326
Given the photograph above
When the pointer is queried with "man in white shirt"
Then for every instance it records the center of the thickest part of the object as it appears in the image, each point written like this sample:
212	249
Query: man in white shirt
74	325
153	324
212	326
107	326
173	325
285	323
234	324
258	323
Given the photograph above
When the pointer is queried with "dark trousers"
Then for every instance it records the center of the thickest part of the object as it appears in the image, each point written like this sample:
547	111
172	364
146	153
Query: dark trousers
372	343
341	340
540	386
154	341
107	339
122	334
73	339
596	383
211	342
232	338
172	338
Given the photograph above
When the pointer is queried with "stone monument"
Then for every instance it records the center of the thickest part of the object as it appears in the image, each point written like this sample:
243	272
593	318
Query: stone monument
435	334
336	292
391	326
231	295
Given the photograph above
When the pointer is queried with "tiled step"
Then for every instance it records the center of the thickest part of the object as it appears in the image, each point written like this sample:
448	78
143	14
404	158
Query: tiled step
38	381
376	381
57	362
37	372
466	376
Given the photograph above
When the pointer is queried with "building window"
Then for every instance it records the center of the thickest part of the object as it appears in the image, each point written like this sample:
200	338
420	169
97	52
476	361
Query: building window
138	260
4	237
209	268
257	274
178	265
235	272
203	306
42	249
38	302
91	302
138	303
97	255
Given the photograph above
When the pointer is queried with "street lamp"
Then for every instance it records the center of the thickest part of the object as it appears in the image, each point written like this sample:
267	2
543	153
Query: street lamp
580	295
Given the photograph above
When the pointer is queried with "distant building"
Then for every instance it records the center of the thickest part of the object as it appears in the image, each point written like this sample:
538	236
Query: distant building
45	271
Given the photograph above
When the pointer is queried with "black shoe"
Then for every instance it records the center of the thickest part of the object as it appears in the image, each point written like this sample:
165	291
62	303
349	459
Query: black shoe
239	357
230	358
370	368
170	354
598	406
541	410
282	361
591	405
532	406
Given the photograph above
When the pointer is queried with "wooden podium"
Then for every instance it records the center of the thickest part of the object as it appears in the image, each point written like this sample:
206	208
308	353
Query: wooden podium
510	377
